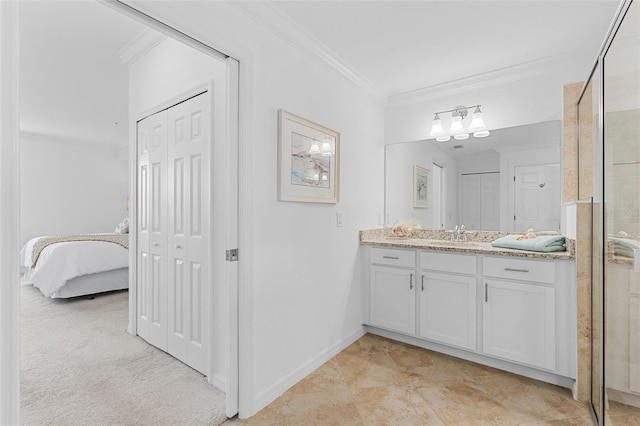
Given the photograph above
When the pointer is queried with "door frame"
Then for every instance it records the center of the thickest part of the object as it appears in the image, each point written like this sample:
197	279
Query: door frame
231	148
10	209
9	217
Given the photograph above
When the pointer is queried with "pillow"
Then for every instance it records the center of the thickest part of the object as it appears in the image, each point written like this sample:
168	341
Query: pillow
123	226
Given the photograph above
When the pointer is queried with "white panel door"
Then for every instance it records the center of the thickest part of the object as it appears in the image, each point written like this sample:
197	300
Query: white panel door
537	197
189	274
393	299
470	213
480	201
519	323
448	309
490	199
152	247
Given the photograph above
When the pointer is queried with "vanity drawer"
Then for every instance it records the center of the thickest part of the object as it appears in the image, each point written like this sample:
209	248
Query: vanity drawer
393	257
448	262
520	269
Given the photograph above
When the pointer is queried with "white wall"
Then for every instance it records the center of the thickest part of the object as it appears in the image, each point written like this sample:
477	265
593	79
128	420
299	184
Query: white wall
70	187
400	159
409	116
303	273
486	163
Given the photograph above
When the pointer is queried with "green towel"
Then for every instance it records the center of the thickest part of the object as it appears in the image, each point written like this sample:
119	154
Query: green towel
542	243
625	243
624	246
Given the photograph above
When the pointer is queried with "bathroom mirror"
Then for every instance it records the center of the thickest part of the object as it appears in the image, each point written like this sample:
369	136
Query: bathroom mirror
508	181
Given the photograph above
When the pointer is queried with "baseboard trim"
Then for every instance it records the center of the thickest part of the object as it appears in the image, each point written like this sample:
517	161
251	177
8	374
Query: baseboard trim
624	397
287	382
533	373
218	382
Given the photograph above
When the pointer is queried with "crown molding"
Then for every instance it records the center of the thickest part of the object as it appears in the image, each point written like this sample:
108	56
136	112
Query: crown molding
273	19
140	45
519	72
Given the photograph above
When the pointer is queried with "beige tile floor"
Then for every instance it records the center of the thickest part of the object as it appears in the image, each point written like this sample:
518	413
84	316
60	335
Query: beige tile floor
377	381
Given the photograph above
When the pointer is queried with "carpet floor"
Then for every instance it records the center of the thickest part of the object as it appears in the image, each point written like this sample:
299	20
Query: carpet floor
80	366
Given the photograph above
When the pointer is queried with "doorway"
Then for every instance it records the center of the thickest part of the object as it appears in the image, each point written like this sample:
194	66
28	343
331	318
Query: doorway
537	197
10	387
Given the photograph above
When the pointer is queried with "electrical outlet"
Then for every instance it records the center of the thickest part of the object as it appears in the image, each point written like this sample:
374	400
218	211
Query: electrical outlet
339	219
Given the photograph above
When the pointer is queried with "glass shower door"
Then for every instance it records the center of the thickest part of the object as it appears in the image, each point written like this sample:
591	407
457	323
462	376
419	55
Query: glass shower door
621	290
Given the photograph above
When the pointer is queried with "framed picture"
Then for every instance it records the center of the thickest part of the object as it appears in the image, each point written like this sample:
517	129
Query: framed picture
308	161
420	187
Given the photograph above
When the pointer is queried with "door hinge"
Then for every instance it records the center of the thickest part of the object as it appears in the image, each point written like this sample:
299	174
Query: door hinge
232	255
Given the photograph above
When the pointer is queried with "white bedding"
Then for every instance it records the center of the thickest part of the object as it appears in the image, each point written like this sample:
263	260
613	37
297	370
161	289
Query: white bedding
61	262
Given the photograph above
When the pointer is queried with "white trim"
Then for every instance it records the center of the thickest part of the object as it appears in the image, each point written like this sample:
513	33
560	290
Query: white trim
523	71
245	241
140	45
149	21
232	381
276	21
9	217
282	385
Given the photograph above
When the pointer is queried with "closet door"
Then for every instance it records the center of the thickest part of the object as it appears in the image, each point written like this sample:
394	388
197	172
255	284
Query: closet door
189	146
152	247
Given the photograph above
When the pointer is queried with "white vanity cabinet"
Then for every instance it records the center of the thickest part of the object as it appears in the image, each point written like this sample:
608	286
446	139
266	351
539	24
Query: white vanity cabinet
392	290
519	316
510	312
447	299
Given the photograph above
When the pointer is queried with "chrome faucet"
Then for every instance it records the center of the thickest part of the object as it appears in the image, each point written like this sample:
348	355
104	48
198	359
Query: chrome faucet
459	235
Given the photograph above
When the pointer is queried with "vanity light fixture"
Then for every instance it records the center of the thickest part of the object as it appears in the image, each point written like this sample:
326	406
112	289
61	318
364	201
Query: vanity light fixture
456	129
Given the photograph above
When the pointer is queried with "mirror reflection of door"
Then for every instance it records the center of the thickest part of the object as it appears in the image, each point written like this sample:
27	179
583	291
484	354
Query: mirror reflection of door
437	198
480	201
537	197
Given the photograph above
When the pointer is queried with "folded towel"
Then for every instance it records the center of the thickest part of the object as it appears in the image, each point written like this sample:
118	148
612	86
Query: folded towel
543	243
623	252
624	246
625	243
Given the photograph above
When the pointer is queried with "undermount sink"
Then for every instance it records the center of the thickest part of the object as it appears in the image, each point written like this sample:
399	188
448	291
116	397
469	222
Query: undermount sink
449	243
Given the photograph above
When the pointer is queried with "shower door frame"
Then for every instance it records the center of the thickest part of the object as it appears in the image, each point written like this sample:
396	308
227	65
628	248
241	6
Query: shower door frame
599	67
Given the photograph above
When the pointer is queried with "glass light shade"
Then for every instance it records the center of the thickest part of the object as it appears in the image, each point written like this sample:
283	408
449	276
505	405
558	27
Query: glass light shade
326	149
443	138
315	149
456	125
461	136
477	122
481	134
436	127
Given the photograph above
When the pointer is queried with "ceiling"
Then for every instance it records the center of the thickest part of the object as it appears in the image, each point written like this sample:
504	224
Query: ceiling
72	77
73	85
401	46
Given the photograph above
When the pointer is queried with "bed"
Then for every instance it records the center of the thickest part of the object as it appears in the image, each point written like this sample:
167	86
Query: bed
76	265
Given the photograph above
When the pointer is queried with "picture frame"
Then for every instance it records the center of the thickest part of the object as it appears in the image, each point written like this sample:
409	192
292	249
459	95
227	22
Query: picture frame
421	190
308	161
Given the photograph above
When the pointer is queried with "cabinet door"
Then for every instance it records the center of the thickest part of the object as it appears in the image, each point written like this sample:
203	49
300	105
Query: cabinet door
448	309
393	299
519	323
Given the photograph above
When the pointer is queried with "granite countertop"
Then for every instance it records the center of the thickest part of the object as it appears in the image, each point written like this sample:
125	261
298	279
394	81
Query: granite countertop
479	242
